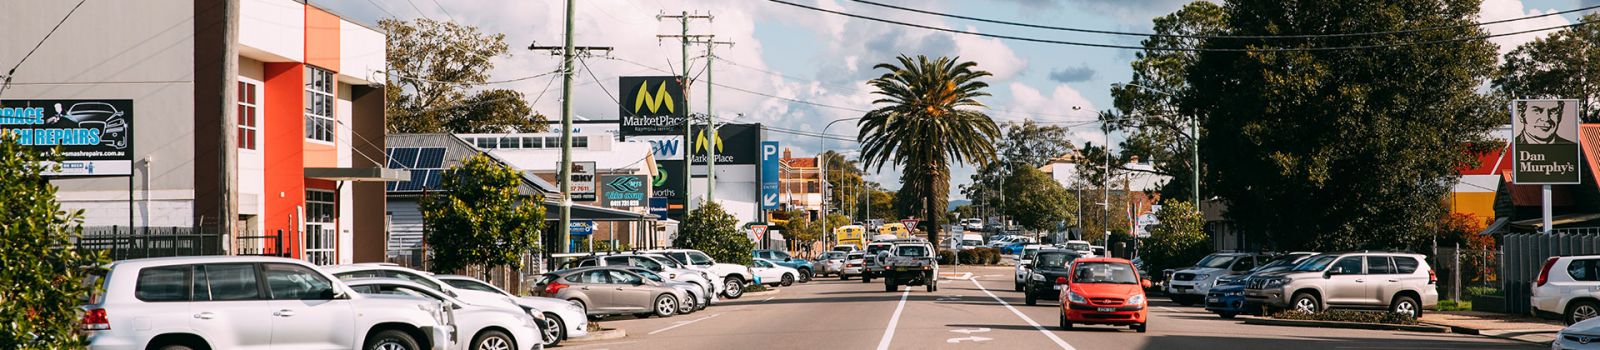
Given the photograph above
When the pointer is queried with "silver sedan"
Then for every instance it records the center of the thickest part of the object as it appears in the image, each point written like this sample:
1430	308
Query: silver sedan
603	291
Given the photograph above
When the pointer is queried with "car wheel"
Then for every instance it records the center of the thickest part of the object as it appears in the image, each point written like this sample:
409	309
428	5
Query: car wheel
1581	310
733	288
933	286
1017	286
583	308
889	286
687	306
492	340
554	330
1305	302
805	276
1028	298
391	340
1138	327
1228	315
666	305
844	277
1065	325
787	280
1406	305
866	278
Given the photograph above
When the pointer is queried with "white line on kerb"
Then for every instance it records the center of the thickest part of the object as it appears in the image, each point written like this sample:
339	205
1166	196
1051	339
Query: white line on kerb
683	323
1035	325
768	299
888	334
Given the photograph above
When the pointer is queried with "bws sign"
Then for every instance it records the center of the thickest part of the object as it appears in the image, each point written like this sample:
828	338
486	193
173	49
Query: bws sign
651	106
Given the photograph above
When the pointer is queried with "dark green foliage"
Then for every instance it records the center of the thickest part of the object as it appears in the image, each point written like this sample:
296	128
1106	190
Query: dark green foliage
435	67
42	272
479	219
1179	241
1037	201
1559	65
1383	317
712	230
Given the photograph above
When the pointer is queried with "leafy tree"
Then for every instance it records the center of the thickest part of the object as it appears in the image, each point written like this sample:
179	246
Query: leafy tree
844	179
1091	182
712	230
799	229
1556	66
1342	149
434	67
1036	201
42	271
1178	241
1030	144
926	122
479	218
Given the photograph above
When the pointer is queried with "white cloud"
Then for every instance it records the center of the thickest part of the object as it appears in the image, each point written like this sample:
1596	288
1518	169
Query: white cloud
991	54
1492	10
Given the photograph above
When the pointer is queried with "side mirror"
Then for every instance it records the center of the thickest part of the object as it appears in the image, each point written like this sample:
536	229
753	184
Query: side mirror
788	259
1027	266
331	294
1332	272
1144	283
1061	280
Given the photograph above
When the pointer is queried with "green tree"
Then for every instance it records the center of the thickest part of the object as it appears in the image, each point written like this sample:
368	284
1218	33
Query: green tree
1036	201
1343	149
1091	181
1180	239
478	217
881	203
799	230
42	271
1556	66
712	230
434	69
1026	144
927	121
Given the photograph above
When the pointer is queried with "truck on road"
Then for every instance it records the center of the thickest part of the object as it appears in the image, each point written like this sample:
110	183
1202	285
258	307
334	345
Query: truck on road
912	263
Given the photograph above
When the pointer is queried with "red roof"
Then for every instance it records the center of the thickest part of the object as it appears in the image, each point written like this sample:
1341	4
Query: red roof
1489	163
800	162
1533	195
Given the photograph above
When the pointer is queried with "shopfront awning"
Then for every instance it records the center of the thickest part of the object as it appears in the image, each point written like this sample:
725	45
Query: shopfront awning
589	212
1558	220
359	174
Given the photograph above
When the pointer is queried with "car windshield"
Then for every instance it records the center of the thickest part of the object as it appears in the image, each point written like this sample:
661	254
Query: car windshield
856	256
1285	261
874	249
1104	272
698	258
780	255
1078	246
911	251
1055	260
1317	263
668	261
832	255
1216	261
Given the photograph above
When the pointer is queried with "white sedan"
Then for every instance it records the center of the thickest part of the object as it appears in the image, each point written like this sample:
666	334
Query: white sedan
563	319
773	274
478	326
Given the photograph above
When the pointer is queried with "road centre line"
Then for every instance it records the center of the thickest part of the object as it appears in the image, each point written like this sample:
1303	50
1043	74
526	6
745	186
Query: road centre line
683	323
1030	321
888	334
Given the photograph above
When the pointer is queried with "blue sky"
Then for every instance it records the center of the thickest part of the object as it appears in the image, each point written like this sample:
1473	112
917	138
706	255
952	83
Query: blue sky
824	60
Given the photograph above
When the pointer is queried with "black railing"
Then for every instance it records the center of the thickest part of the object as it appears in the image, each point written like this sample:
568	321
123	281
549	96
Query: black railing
121	243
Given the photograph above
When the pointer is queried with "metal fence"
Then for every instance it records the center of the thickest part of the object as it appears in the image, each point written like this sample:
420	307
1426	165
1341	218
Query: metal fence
1462	270
1524	254
121	243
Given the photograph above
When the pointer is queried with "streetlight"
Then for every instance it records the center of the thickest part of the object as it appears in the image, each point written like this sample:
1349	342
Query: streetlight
822	166
1194	138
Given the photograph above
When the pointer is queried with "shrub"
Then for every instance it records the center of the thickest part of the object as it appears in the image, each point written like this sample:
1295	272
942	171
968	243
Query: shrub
1452	305
752	288
969	256
947	256
992	258
1383	317
1484	291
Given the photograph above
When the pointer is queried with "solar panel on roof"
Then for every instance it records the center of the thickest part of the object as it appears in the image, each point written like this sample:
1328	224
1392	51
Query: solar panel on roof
433	179
405	156
415	184
430	158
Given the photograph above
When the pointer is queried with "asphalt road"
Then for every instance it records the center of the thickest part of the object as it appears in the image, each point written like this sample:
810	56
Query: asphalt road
982	313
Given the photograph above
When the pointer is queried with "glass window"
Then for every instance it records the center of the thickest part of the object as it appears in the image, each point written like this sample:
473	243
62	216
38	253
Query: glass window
1244	264
419	279
698	258
619	277
471	285
594	277
228	282
509	142
167	283
1347	266
321	239
1379	265
586	262
911	251
295	282
1212	261
247	113
1583	270
319	104
645	263
531	142
1315	263
552	142
1405	264
580	142
781	255
616	261
574	278
367	289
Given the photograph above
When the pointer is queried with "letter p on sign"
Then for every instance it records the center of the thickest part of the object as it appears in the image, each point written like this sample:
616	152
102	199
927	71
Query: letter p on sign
768	151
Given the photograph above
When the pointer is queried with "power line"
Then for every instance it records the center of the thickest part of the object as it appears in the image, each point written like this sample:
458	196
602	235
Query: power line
513	80
1193	36
13	71
1180	49
585	64
418	9
446	11
385	10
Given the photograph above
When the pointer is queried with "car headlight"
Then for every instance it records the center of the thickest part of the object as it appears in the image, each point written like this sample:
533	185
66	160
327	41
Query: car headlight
1275	283
1074	297
1136	300
1037	277
672	276
1202	276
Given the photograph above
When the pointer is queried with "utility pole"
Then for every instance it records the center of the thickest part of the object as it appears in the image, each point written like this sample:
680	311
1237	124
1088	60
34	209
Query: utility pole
564	175
688	125
711	125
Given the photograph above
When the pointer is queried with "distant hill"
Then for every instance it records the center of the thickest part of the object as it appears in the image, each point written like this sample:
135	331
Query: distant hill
956	203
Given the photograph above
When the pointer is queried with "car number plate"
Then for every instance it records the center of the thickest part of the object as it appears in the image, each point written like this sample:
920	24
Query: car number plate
1106	309
1211	300
899	269
1056	287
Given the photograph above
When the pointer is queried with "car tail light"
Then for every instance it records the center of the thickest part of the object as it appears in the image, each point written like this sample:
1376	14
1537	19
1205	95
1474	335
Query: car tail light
96	320
1433	278
1061	280
1544	272
554	287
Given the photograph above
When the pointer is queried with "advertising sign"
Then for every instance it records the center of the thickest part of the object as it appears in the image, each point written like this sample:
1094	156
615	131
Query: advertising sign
658	207
95	136
580	227
665	147
670	184
651	105
1546	146
769	175
734	143
624	191
582	181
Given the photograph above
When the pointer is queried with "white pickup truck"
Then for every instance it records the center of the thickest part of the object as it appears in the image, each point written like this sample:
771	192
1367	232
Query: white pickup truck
730	279
910	263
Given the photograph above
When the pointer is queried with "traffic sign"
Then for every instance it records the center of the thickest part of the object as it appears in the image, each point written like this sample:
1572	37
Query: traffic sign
911	224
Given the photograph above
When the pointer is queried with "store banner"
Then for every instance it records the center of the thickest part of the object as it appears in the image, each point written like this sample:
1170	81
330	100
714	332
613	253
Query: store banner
583	181
670	183
665	147
1546	146
658	207
652	105
734	144
769	175
624	191
95	136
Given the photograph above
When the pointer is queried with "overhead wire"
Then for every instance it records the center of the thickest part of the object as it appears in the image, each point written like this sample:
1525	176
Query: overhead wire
11	73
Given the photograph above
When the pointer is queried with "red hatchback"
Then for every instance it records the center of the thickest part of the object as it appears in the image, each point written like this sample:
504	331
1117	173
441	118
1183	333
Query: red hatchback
1104	291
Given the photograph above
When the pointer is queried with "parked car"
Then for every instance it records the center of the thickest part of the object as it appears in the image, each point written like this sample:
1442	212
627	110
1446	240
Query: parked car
829	263
660	264
730	279
1227	299
604	291
1082	247
478	326
1014	248
1398	282
1567	288
772	274
563	319
688	294
1104	291
1189	286
386	270
998	241
972	224
854	265
805	268
845	248
223	302
971	240
1584	335
1047	266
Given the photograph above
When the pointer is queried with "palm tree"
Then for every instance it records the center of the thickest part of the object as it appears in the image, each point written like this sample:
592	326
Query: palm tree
926	121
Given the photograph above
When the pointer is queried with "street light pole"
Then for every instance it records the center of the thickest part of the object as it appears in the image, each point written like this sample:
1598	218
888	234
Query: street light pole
822	165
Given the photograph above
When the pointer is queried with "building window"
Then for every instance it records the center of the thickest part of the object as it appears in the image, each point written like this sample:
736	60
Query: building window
508	142
486	142
552	142
319	104
531	142
580	142
320	239
249	109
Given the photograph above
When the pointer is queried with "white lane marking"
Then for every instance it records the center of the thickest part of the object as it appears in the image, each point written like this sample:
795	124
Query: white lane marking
767	299
969	331
1030	321
971	339
1168	309
683	323
888	334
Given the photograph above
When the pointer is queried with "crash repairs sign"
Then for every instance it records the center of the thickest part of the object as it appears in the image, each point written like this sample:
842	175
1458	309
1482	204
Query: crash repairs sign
95	137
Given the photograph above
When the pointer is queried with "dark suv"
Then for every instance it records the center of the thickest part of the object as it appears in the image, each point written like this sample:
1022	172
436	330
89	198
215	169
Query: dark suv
1047	267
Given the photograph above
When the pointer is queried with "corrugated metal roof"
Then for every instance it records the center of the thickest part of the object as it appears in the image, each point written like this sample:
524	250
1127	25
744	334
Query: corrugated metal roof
1589	137
456	149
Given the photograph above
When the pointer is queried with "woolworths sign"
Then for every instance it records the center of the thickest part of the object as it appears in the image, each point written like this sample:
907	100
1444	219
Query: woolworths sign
1546	145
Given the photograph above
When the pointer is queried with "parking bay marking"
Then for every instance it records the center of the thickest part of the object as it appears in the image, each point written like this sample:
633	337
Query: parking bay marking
888	333
683	323
1030	321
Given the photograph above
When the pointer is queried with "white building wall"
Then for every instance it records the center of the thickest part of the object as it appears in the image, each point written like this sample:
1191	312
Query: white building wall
273	30
361	53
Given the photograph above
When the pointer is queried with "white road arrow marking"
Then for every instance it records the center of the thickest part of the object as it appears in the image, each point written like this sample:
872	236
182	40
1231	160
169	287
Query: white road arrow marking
970	331
971	339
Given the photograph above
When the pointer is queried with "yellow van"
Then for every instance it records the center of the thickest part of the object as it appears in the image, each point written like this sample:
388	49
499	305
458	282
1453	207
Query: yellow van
852	235
897	229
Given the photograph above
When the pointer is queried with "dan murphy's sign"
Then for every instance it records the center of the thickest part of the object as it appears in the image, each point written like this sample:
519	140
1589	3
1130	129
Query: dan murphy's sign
1546	146
652	106
95	136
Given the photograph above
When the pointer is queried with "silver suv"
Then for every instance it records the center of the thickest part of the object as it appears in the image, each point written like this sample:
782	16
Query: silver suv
1399	282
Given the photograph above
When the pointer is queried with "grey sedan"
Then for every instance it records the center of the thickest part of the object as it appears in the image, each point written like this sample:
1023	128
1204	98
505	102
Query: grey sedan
605	291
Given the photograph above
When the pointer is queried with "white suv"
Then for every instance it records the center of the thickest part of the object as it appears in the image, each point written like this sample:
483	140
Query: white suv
1568	288
729	278
237	302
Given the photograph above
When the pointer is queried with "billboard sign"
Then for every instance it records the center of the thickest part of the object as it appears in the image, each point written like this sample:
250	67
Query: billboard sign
670	183
658	207
665	147
769	175
583	181
651	105
95	136
624	191
734	144
1546	145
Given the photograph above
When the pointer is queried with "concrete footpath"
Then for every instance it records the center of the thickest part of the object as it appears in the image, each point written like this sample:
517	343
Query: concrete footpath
1514	327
